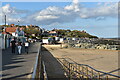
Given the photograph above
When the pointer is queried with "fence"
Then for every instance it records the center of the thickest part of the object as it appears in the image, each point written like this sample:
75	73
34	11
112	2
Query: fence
84	72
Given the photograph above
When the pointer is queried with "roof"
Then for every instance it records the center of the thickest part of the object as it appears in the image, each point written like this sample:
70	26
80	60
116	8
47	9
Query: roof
53	32
4	33
11	29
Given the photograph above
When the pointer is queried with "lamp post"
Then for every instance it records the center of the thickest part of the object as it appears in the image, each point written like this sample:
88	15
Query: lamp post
18	22
5	34
5	20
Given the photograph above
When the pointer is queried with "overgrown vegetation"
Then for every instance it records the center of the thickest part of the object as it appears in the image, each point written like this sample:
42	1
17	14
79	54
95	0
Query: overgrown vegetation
74	33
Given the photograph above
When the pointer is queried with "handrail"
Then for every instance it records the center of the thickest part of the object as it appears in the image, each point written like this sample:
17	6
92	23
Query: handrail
97	71
39	71
100	71
36	67
44	71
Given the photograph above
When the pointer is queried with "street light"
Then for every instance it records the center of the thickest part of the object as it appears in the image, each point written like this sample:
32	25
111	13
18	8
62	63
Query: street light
18	22
19	18
5	34
5	20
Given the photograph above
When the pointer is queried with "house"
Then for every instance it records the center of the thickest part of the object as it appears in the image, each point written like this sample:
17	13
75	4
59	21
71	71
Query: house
11	30
12	25
14	31
44	32
53	33
83	31
27	26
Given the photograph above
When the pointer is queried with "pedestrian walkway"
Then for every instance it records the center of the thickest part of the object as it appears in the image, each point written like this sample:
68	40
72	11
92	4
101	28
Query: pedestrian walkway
54	69
19	67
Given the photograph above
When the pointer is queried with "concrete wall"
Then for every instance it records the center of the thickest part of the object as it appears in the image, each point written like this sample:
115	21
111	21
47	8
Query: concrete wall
2	43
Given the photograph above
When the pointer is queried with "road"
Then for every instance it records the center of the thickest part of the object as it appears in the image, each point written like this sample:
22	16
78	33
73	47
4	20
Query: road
18	67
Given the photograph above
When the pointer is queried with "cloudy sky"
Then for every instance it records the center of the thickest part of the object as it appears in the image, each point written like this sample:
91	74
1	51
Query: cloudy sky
97	18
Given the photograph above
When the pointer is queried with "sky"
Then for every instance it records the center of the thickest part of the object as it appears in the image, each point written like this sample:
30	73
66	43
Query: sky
97	18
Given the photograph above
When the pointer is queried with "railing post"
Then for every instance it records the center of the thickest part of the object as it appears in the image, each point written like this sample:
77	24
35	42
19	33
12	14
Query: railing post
106	77
44	71
92	74
87	72
82	72
69	71
79	71
63	64
98	75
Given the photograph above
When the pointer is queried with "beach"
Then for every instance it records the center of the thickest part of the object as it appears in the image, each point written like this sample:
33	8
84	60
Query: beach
103	60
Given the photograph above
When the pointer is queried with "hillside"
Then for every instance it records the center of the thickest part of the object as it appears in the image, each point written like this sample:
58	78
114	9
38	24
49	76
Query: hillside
74	33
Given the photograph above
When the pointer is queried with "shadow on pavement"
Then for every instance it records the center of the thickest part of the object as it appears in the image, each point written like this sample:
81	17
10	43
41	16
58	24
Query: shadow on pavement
8	59
18	67
17	77
12	61
9	67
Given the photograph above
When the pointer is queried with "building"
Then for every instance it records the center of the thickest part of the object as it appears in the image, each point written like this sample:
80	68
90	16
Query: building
83	31
12	25
11	30
53	33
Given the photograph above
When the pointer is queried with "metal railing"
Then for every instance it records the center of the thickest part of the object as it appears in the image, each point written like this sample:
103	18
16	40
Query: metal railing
39	72
44	71
37	67
84	72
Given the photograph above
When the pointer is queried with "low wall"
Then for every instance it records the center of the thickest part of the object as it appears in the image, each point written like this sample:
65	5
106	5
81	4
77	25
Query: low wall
2	43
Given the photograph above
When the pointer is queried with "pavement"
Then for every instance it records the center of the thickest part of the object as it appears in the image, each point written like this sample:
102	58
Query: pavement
19	67
53	67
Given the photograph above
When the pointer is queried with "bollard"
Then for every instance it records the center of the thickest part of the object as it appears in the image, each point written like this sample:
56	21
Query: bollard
61	46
